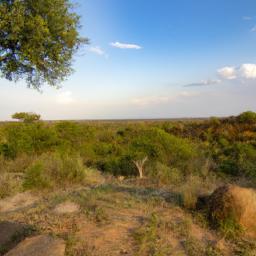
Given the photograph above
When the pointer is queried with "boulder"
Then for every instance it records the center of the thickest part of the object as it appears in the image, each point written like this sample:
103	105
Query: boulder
236	203
11	234
42	245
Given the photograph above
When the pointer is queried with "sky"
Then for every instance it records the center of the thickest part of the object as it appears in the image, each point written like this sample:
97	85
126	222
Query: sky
152	59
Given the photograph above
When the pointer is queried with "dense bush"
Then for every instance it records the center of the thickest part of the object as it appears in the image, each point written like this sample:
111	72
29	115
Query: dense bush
173	149
239	160
165	175
34	138
53	170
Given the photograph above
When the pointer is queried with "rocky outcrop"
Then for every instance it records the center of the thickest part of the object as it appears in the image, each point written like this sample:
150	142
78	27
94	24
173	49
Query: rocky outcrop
42	245
12	233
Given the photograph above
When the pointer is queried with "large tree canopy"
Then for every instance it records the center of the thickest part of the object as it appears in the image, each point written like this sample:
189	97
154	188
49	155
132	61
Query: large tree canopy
37	40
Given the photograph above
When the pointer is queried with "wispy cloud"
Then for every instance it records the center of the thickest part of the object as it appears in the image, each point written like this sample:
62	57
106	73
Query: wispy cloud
65	98
143	101
204	83
97	50
227	72
125	46
247	18
253	29
158	100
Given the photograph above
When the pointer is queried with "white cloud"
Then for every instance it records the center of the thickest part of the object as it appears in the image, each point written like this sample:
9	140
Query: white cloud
228	73
65	98
125	46
158	100
204	83
253	29
248	71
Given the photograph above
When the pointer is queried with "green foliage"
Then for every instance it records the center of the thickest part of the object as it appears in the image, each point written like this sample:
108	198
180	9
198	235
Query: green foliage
174	150
239	160
36	177
53	170
163	174
26	117
248	117
38	40
28	138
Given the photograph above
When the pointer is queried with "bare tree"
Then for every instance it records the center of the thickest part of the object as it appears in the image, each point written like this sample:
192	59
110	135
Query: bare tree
140	165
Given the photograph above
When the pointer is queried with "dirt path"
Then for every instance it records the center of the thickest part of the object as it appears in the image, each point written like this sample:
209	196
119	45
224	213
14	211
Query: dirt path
17	202
115	238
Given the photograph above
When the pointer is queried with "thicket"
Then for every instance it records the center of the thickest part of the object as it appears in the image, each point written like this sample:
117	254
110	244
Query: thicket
174	150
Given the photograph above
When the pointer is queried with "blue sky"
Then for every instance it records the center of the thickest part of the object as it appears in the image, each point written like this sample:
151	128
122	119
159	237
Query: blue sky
153	59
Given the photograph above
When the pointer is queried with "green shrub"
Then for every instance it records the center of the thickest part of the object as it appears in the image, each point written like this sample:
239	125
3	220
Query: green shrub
164	174
248	117
37	177
31	138
240	160
54	170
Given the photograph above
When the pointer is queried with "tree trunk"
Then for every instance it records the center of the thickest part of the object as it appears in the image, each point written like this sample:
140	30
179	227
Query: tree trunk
140	165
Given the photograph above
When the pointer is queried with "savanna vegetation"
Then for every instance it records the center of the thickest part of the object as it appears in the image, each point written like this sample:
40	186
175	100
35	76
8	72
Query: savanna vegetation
223	147
156	169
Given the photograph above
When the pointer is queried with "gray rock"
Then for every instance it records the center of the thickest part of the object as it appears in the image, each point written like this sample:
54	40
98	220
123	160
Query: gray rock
11	234
42	245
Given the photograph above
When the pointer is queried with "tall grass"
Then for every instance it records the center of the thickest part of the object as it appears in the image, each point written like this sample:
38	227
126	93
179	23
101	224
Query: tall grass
53	170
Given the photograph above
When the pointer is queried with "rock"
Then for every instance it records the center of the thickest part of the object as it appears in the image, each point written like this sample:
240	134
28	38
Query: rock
17	202
42	245
236	203
67	208
11	234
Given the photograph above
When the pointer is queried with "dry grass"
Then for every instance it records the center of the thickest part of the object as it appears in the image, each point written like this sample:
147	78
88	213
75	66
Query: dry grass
9	184
233	209
128	217
193	187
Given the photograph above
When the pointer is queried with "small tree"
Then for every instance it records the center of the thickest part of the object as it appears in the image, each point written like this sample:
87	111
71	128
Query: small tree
248	117
140	165
26	117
